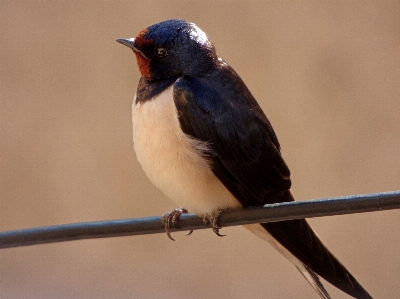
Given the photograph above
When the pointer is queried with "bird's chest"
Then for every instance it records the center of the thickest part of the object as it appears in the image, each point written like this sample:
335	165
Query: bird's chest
172	160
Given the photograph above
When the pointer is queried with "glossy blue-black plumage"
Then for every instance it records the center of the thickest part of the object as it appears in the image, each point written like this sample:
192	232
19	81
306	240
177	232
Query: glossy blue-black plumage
215	106
147	90
189	50
218	108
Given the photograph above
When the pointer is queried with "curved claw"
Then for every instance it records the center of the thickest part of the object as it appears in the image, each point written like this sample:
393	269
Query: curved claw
169	236
189	233
173	217
165	220
216	231
212	221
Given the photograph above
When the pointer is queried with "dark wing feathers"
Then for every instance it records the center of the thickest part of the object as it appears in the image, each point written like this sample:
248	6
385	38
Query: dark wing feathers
245	156
242	147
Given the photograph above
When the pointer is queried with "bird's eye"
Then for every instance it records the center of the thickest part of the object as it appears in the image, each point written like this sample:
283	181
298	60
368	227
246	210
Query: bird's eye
161	51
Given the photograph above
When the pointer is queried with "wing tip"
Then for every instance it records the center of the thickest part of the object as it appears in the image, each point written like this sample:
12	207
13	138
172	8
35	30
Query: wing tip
314	281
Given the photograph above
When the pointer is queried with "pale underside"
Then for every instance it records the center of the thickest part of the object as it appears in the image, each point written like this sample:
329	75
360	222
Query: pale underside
174	161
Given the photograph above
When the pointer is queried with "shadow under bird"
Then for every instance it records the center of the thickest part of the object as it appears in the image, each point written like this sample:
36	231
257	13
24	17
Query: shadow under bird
201	137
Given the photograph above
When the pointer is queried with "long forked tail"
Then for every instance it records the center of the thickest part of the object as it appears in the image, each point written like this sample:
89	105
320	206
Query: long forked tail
299	244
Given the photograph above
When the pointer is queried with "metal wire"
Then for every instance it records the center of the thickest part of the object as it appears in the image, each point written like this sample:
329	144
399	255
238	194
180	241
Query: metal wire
151	225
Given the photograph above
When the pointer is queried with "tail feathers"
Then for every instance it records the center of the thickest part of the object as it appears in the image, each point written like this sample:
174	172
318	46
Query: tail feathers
314	281
297	237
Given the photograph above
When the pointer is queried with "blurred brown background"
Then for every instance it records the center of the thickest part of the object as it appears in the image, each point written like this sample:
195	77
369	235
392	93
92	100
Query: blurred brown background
326	74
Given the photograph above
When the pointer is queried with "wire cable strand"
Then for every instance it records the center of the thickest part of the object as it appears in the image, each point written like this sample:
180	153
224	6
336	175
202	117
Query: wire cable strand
152	225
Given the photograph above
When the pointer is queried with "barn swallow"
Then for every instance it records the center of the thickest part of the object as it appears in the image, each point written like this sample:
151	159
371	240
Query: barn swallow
201	137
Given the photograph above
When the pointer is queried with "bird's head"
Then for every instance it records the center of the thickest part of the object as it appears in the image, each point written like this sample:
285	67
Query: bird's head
172	48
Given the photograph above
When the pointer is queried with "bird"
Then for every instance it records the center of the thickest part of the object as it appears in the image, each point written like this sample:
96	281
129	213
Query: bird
202	139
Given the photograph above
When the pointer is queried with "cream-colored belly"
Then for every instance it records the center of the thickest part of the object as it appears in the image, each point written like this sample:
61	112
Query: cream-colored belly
173	161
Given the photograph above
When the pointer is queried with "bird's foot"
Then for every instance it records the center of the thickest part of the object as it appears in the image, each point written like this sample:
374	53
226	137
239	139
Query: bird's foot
211	220
173	218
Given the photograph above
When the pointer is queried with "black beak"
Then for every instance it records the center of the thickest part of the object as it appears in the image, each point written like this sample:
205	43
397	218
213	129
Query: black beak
129	42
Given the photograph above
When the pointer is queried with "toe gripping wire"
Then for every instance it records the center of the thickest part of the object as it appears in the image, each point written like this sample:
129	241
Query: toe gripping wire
172	218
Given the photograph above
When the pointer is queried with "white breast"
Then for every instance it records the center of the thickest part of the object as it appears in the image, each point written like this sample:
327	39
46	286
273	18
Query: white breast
173	161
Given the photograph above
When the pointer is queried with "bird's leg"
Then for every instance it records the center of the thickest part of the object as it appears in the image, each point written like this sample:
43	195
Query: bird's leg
211	220
173	217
